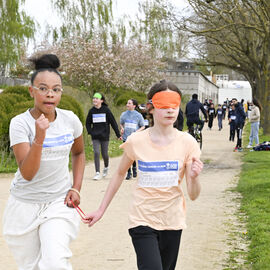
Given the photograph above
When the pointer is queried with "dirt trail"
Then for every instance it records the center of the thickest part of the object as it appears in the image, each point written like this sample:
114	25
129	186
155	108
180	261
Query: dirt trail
107	245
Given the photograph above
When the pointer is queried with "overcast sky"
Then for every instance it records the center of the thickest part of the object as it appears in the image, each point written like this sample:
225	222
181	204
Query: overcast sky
42	12
41	9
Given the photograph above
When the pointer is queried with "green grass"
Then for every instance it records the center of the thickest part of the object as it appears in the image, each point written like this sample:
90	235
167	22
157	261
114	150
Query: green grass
254	186
7	162
3	86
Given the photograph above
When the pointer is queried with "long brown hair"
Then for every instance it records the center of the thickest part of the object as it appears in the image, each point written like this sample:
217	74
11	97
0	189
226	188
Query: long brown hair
257	103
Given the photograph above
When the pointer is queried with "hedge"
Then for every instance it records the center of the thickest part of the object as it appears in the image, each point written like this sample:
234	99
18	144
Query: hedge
125	96
18	89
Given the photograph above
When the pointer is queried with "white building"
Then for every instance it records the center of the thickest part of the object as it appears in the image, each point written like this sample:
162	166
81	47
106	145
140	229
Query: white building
233	89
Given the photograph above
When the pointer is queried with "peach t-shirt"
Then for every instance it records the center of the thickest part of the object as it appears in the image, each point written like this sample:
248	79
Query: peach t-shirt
158	200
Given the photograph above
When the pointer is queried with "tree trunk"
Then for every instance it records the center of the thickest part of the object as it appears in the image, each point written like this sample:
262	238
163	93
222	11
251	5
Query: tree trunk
262	93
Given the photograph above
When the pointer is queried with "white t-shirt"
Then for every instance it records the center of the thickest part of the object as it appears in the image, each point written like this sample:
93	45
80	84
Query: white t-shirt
52	180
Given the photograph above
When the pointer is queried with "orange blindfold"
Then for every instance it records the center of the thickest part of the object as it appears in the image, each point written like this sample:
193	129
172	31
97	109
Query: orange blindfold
166	99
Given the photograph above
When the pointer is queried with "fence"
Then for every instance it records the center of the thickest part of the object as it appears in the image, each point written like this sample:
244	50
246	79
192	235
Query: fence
13	81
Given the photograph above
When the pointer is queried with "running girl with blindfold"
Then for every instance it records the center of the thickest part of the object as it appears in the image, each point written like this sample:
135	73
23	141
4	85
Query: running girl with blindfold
164	156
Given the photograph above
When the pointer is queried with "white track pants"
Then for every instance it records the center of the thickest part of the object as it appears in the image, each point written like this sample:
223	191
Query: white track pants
39	235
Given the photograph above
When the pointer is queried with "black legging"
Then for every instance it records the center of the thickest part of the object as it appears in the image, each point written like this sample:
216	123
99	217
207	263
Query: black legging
239	131
232	131
155	250
134	168
97	144
210	121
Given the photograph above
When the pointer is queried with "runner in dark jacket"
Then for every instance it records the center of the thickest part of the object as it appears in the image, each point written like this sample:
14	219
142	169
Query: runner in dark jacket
98	123
239	123
232	118
211	115
193	108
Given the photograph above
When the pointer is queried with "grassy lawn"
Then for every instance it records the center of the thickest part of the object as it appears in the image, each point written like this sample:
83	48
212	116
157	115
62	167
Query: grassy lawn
7	162
254	186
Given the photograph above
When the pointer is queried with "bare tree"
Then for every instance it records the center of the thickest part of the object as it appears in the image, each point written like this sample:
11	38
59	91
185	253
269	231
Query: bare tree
234	34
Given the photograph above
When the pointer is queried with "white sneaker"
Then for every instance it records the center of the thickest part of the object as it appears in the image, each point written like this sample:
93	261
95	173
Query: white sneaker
105	171
97	176
249	146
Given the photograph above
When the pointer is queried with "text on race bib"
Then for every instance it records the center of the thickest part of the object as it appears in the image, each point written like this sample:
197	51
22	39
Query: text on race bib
99	118
131	124
158	173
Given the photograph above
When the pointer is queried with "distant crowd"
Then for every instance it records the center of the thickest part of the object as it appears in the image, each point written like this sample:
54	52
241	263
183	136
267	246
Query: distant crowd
237	114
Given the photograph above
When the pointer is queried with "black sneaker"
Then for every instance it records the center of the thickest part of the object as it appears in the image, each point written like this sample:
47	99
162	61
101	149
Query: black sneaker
134	173
128	176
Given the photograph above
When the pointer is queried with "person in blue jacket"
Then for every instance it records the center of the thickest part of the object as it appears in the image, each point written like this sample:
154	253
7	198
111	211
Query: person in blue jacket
131	121
239	123
219	115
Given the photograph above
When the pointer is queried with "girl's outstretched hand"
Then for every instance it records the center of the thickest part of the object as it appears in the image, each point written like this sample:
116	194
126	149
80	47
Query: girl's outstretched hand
92	218
196	167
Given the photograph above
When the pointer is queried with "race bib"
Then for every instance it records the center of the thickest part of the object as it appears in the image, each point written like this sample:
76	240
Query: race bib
233	117
130	124
57	147
219	112
146	122
157	174
99	118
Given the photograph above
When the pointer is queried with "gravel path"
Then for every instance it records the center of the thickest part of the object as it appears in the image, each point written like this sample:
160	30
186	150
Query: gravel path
107	245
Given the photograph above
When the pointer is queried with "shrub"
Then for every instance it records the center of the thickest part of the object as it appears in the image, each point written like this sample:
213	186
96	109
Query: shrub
70	103
18	89
8	102
125	96
20	108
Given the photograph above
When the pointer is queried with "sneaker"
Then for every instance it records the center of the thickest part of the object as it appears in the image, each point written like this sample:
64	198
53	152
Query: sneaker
97	176
249	146
240	149
134	173
235	149
128	176
105	172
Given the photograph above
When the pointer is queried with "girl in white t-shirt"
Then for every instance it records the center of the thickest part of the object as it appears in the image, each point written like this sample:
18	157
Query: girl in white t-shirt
164	156
39	220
